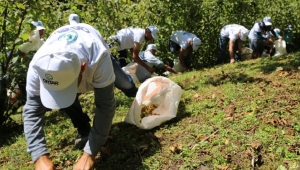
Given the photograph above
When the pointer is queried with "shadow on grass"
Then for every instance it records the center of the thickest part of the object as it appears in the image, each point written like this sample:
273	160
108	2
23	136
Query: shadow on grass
231	77
269	65
9	133
129	145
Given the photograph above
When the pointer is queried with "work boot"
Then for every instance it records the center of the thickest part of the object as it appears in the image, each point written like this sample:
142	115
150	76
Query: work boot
82	136
44	163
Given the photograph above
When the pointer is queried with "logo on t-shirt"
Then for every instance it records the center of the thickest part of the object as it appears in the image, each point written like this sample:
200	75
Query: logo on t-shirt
70	36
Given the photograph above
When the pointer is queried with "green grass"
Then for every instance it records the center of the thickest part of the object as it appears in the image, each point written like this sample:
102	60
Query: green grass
240	116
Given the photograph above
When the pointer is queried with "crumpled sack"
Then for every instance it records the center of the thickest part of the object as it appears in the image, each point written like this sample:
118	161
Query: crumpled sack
130	69
177	66
280	47
246	53
161	92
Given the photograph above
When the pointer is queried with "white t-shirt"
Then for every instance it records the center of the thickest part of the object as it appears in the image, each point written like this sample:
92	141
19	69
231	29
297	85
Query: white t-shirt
182	38
128	36
267	34
231	31
89	45
253	32
34	43
141	73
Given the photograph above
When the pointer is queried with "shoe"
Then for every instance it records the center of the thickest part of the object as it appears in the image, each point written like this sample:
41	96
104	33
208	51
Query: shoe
80	141
86	162
44	163
82	136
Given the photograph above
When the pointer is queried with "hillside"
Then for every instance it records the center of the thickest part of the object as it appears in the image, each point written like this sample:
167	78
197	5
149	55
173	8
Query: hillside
239	116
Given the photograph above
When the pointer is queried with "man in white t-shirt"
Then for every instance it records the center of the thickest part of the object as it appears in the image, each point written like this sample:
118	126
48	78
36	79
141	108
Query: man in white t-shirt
256	37
74	59
182	44
234	35
149	58
74	19
132	39
81	120
270	37
34	42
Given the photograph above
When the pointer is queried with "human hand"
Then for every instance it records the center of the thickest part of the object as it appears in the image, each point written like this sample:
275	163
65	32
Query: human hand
13	95
44	163
86	162
232	60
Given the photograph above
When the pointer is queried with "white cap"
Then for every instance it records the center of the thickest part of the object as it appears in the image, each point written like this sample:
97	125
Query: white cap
39	25
74	19
151	47
267	23
154	30
244	34
58	74
277	30
267	19
196	43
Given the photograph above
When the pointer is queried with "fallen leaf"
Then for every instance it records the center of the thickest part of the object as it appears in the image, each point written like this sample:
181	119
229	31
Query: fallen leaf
256	146
175	148
229	118
230	110
226	141
223	167
68	163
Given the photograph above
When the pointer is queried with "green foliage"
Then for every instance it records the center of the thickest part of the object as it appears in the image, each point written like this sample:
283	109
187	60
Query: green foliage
204	18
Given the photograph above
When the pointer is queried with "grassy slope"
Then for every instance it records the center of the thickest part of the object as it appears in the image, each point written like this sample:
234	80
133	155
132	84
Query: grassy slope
230	117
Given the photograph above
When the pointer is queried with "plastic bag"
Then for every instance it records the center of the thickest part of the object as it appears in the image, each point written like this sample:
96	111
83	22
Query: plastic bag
177	66
130	69
280	47
161	96
246	53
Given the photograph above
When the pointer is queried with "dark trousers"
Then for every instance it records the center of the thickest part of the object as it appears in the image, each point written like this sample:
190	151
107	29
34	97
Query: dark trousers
122	57
223	46
81	120
174	49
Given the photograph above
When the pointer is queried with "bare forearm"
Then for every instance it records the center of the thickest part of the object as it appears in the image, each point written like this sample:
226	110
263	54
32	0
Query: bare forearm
168	68
181	59
137	59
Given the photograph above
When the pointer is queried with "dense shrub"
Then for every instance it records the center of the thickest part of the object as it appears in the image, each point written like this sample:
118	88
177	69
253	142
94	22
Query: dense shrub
204	18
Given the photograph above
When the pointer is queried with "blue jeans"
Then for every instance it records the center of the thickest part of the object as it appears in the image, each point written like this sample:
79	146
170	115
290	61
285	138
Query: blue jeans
257	45
175	49
223	46
123	81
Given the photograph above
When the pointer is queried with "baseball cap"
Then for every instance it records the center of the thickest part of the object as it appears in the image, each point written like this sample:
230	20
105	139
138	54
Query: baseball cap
154	30
244	34
196	43
267	23
277	30
151	47
58	74
74	19
267	19
39	25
